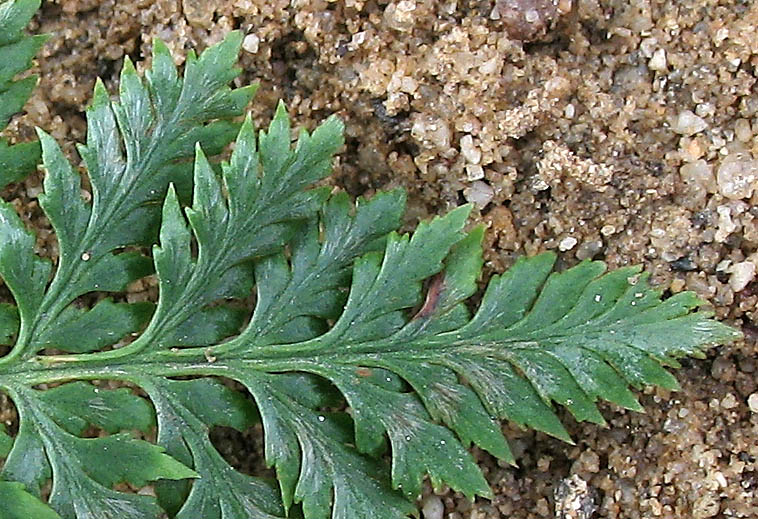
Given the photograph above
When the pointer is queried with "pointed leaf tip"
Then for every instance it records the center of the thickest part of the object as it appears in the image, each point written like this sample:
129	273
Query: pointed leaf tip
160	48
128	67
234	39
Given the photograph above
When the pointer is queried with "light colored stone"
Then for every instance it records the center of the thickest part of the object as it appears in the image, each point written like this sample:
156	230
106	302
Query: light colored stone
648	46
725	224
479	193
400	16
251	43
742	274
705	109
737	176
470	152
432	507
700	174
573	498
567	243
431	131
752	402
608	230
729	401
658	61
706	506
742	130
474	172
687	123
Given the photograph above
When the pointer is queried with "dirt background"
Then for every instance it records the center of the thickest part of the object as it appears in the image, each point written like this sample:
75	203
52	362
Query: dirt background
617	130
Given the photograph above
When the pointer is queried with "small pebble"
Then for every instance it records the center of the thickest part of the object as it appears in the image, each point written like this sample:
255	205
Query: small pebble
725	224
648	46
400	16
470	152
431	131
474	172
658	61
607	230
198	13
729	402
588	249
706	506
432	507
687	123
251	43
742	130
480	194
567	243
752	402
574	498
705	109
683	264
737	176
699	173
742	274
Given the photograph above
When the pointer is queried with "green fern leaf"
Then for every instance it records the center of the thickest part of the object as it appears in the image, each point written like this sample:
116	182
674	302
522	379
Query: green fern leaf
17	51
19	504
132	146
187	410
360	357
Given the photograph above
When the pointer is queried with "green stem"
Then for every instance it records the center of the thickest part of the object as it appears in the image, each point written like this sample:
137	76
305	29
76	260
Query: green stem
56	299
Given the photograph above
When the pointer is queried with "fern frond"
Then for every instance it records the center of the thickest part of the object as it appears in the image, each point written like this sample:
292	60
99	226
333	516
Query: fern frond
16	53
361	346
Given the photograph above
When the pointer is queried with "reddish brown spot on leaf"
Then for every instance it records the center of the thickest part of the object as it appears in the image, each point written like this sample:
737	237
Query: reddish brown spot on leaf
432	297
363	372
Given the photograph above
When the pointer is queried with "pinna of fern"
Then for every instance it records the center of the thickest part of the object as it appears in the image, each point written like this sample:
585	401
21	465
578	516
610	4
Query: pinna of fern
17	50
365	381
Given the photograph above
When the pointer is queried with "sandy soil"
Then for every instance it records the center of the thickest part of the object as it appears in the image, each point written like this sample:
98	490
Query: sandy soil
620	130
